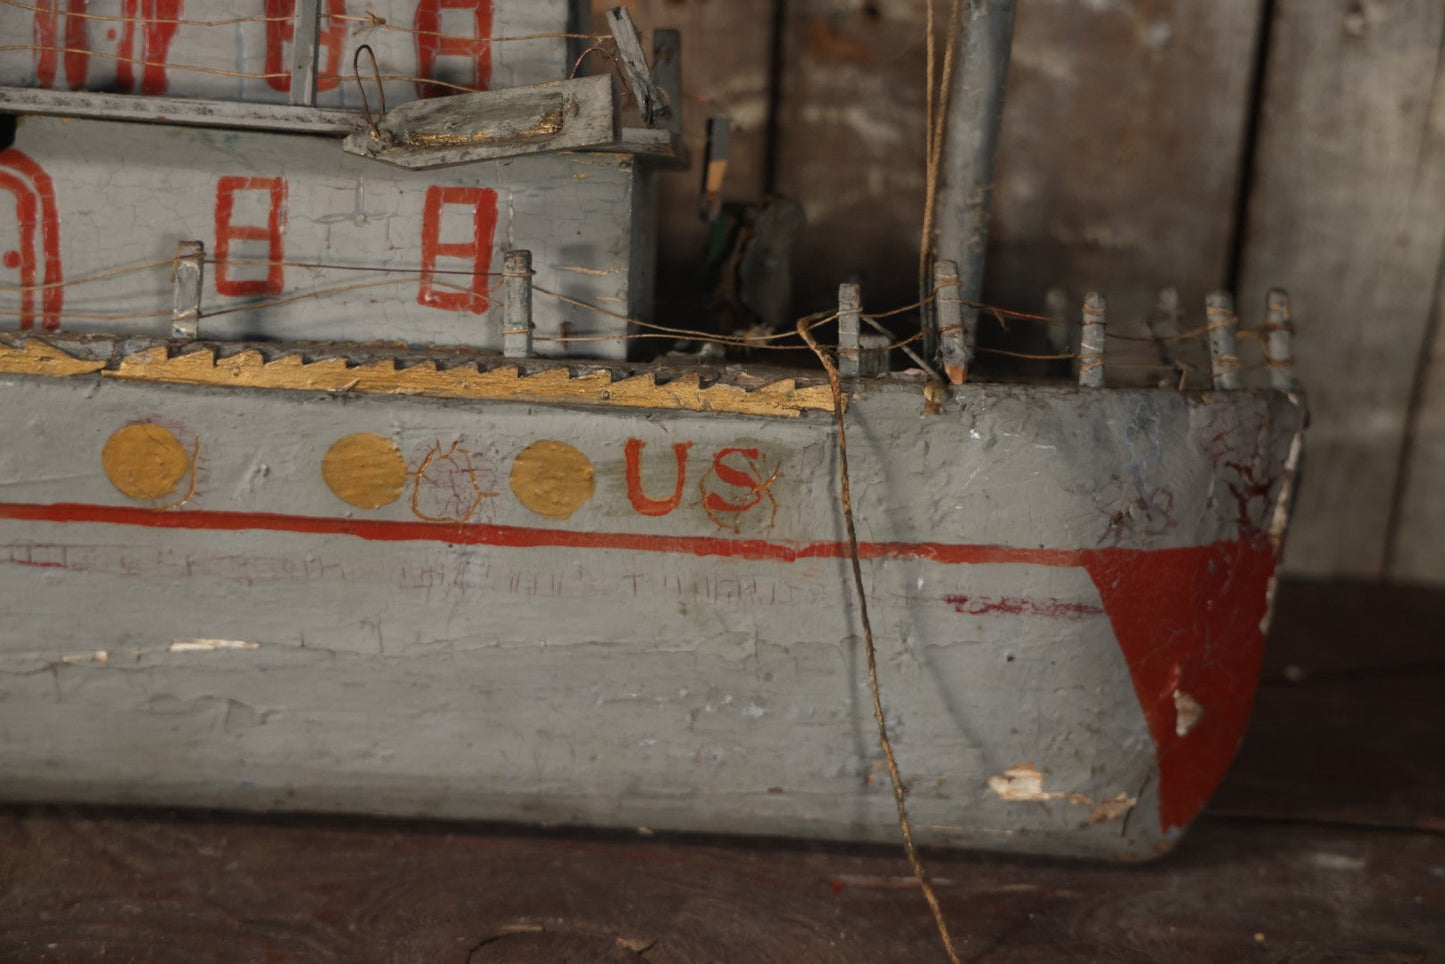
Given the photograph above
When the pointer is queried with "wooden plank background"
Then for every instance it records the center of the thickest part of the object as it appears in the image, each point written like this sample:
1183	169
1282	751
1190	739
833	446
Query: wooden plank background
726	71
1127	163
1348	211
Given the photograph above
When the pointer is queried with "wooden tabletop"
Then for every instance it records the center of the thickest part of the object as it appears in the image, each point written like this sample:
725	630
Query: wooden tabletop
1326	844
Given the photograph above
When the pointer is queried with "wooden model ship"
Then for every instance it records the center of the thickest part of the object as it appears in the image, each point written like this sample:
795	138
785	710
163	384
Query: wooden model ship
333	484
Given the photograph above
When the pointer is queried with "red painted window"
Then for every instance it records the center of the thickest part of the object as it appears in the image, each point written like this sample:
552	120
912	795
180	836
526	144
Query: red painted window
466	35
34	257
281	33
143	47
73	45
451	211
245	198
158	30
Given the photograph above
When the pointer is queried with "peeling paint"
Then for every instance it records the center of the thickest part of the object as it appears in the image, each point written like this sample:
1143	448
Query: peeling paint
1110	808
1187	712
98	656
743	625
1022	781
1025	782
208	645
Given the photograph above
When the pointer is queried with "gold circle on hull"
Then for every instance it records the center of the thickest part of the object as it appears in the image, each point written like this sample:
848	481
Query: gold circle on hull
553	479
365	470
145	461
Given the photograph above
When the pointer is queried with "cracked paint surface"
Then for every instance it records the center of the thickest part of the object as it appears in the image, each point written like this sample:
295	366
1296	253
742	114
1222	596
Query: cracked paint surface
636	663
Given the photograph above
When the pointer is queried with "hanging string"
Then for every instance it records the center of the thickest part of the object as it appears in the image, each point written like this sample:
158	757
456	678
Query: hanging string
597	48
900	792
369	19
138	62
96	276
180	22
372	19
784	340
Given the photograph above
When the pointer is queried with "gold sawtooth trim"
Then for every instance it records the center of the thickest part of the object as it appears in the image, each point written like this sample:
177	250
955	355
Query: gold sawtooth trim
37	358
249	369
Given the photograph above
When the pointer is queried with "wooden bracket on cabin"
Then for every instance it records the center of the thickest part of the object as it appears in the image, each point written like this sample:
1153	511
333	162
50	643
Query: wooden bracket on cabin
652	104
662	145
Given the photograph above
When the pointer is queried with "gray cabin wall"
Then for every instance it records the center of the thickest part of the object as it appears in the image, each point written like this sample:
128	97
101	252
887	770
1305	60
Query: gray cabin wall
1128	163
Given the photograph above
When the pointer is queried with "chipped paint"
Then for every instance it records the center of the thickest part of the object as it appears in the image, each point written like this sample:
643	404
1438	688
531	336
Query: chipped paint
1110	808
97	656
208	645
425	615
1187	713
1279	520
1024	782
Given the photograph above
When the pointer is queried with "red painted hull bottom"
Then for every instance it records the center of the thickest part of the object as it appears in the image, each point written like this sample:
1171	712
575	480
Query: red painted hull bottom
1190	621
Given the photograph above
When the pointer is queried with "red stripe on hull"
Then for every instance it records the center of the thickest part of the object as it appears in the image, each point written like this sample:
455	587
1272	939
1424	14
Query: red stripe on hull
528	537
1187	619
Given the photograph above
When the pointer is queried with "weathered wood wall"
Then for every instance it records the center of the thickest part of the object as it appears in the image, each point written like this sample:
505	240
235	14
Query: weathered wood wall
850	145
1120	161
1128	163
727	54
1348	210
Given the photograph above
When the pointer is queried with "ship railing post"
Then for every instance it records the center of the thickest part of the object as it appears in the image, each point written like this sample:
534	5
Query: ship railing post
305	29
1091	342
517	289
1279	345
850	310
187	273
1223	326
954	349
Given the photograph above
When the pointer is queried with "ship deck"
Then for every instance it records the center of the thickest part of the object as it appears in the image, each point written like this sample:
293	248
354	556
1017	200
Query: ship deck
1324	843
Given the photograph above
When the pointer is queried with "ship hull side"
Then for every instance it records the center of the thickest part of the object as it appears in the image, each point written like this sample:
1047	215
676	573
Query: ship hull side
590	615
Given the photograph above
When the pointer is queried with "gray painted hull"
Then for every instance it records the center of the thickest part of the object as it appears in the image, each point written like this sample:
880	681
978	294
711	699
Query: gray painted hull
1069	589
